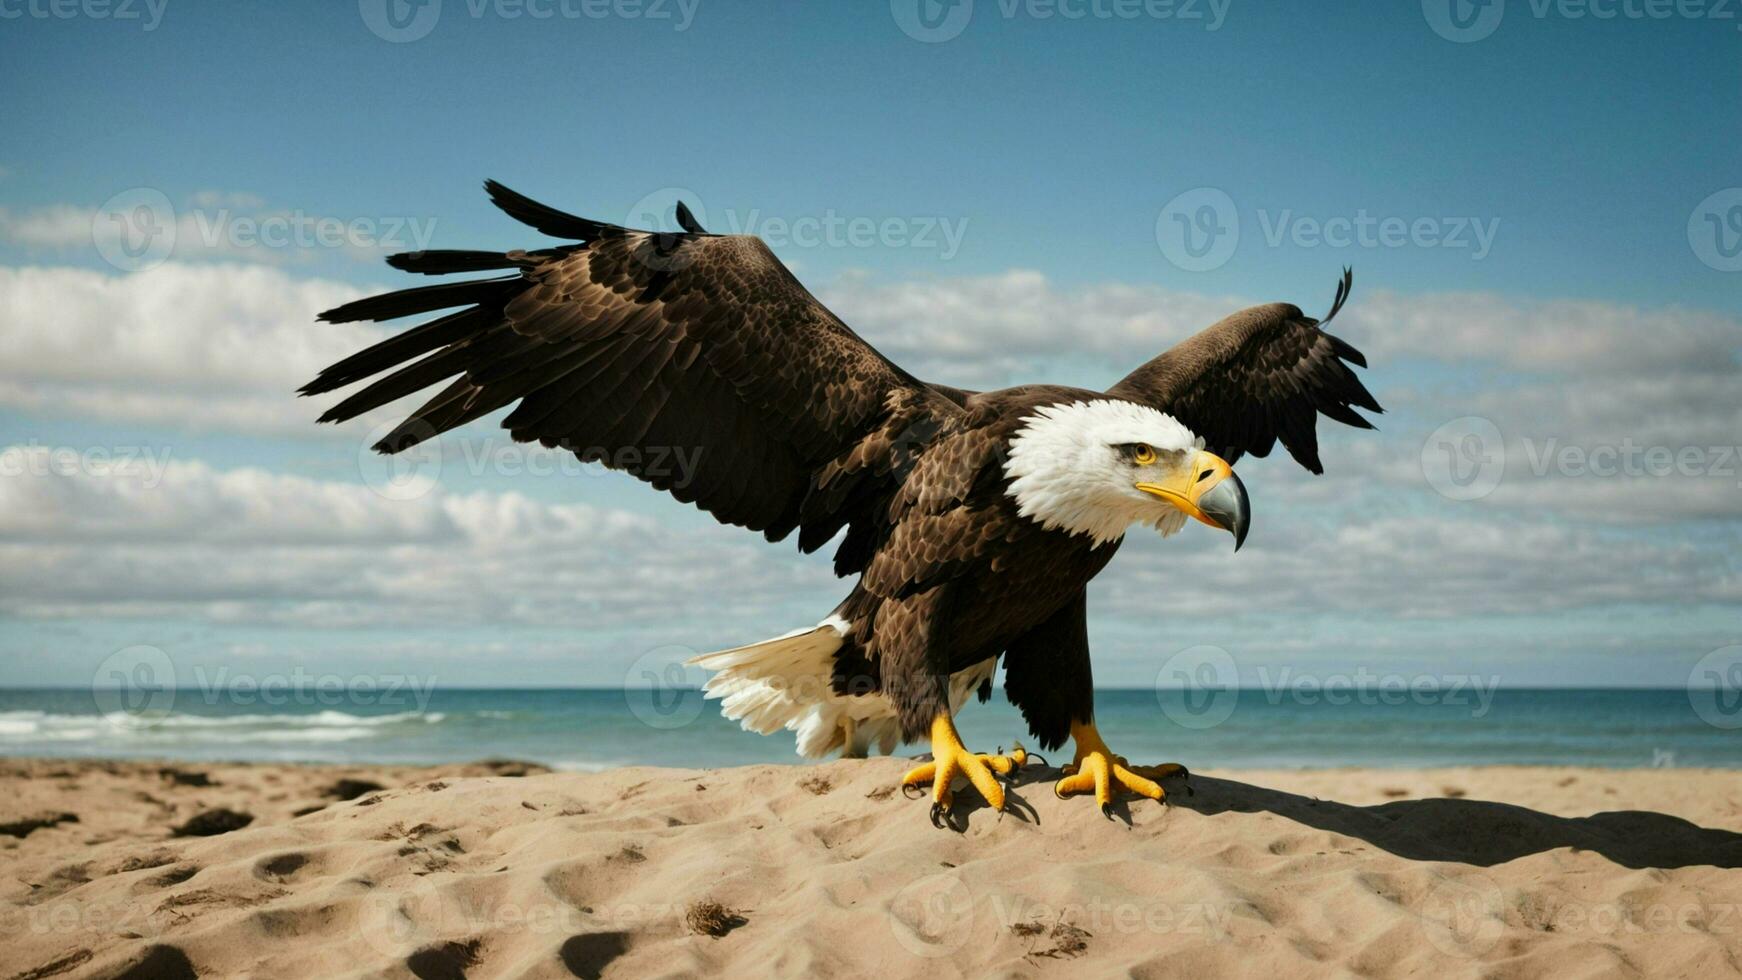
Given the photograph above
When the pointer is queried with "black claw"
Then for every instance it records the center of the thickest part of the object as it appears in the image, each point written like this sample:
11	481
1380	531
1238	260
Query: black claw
1042	758
1107	810
916	791
937	816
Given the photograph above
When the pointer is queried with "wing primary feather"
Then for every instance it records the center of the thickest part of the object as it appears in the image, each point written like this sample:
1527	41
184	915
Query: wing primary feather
557	224
415	376
1344	414
422	299
442	261
1345	286
1347	351
687	221
400	348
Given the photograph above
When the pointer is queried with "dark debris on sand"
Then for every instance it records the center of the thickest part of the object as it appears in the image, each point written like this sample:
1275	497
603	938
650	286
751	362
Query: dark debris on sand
710	918
186	777
350	789
23	826
213	822
1068	941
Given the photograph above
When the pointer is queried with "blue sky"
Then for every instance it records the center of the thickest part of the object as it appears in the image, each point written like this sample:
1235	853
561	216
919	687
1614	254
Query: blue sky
1554	178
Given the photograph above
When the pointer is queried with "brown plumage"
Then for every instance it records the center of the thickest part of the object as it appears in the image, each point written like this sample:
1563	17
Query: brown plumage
627	344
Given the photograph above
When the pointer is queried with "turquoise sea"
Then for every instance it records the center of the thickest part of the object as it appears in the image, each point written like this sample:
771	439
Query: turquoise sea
593	729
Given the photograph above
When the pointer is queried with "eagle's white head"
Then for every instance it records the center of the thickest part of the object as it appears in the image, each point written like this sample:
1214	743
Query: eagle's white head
1098	467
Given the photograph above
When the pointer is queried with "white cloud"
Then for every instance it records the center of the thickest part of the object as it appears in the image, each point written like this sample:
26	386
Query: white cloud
249	546
1560	337
1549	374
990	330
227	199
212	225
1020	318
180	538
198	347
201	347
57	226
1421	566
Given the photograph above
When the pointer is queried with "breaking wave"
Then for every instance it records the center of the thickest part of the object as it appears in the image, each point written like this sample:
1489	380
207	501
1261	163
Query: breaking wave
320	726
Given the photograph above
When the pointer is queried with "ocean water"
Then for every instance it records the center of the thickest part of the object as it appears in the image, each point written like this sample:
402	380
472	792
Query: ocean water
594	729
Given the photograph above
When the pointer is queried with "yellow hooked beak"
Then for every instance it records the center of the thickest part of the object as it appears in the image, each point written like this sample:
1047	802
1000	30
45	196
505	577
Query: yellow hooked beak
1209	491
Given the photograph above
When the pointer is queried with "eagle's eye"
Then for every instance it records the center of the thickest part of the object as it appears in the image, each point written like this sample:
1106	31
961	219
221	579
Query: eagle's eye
1143	455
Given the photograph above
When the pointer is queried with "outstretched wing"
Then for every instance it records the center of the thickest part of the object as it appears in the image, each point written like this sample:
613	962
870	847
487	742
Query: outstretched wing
1262	374
694	361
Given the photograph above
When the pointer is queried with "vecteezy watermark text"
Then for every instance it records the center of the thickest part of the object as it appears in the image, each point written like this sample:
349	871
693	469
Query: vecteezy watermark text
1364	230
140	228
137	687
833	230
936	21
1368	688
1629	459
402	21
148	14
1199	230
1467	459
297	229
828	229
1199	687
303	688
1468	21
416	471
142	466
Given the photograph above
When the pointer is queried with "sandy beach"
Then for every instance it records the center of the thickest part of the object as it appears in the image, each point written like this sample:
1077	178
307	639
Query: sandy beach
508	870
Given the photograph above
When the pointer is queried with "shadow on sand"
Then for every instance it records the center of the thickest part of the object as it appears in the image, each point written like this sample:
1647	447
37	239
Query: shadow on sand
1467	831
1476	831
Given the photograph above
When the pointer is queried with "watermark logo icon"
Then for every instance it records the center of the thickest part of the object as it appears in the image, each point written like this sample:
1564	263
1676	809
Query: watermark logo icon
1463	21
1715	688
662	689
657	212
384	924
931	21
409	474
932	916
1465	459
1198	687
400	21
1715	230
135	229
1199	229
134	687
1463	914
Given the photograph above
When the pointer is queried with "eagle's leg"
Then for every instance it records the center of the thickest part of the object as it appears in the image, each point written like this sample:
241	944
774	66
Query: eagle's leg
1097	770
950	758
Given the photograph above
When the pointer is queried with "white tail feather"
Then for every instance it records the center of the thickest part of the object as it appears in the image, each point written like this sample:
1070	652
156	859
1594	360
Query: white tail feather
786	682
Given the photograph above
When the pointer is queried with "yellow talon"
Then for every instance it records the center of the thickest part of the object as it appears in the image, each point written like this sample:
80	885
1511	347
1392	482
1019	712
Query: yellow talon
951	759
1097	770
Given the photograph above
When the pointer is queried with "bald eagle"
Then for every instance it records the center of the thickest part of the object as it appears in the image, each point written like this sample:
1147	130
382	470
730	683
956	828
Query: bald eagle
971	520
